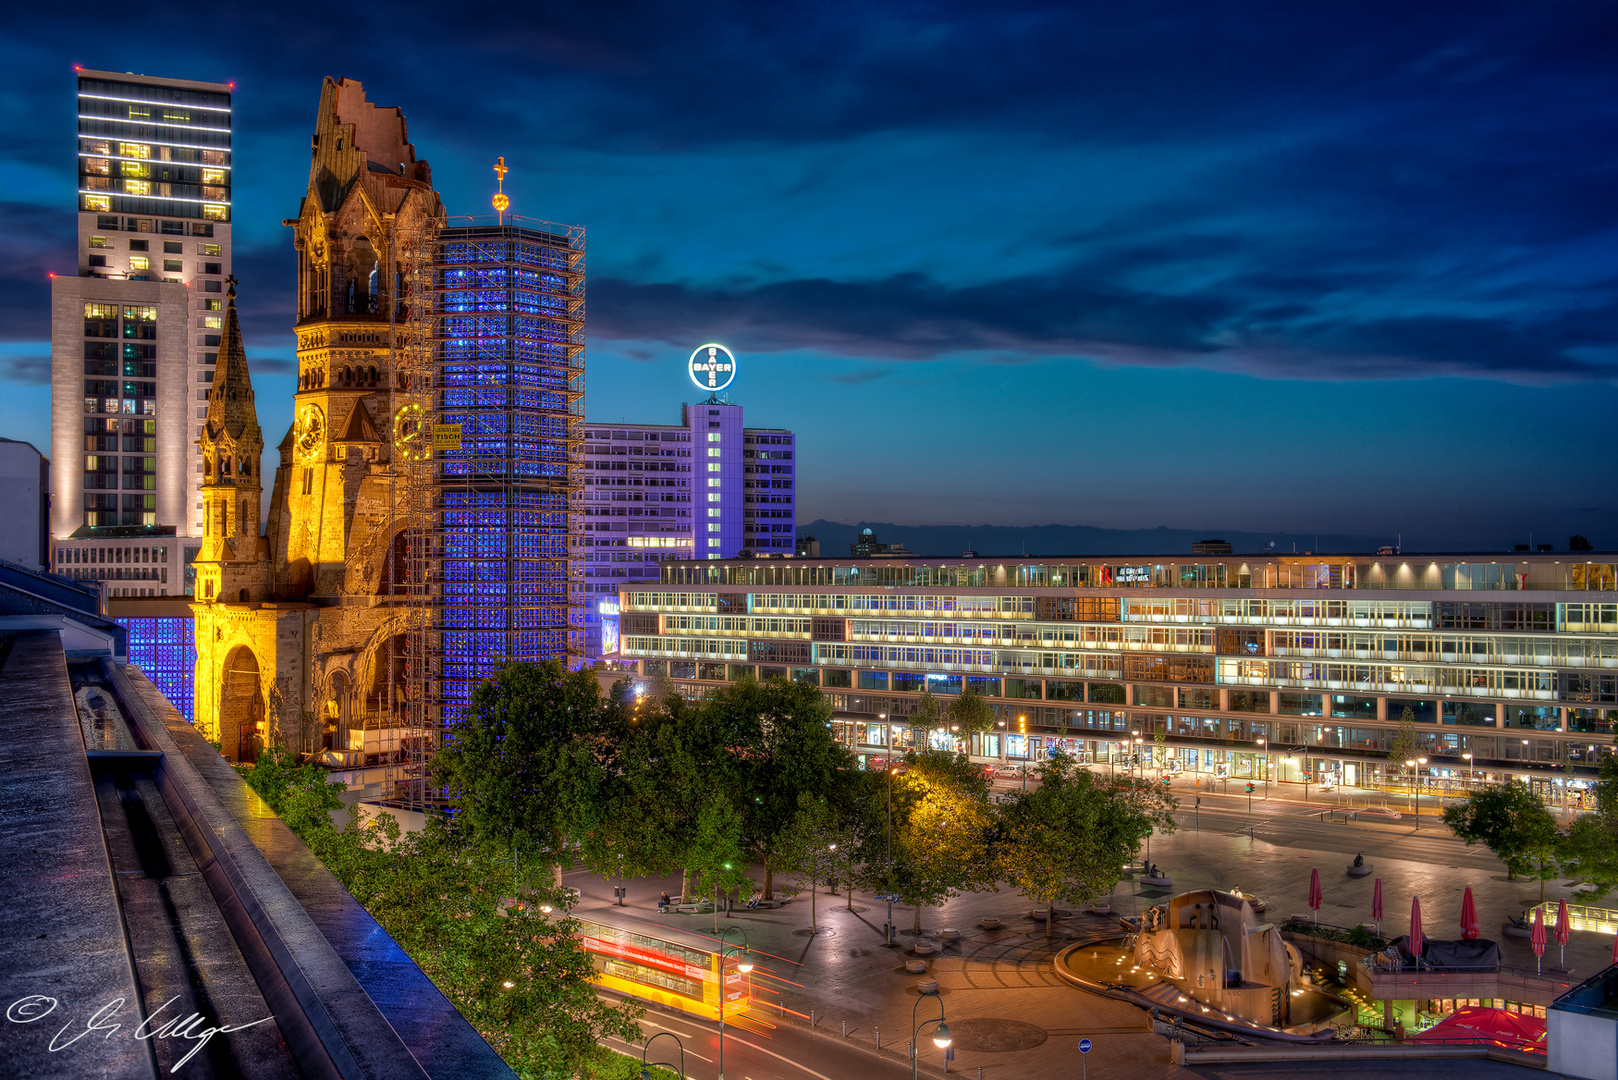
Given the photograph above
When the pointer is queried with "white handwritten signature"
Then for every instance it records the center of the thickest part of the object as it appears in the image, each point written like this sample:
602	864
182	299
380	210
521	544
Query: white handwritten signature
26	1010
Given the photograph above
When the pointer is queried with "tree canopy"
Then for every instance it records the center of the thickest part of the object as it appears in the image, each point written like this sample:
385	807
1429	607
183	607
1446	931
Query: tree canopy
1510	821
1067	840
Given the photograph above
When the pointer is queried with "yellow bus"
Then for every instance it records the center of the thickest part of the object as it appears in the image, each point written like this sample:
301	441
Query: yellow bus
665	965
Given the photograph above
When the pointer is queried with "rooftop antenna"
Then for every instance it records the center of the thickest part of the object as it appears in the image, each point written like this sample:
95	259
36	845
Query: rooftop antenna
501	202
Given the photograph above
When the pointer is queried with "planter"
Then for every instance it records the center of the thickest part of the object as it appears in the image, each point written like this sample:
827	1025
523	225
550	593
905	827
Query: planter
916	967
1359	871
923	948
1513	930
928	986
1165	881
1101	909
991	924
949	933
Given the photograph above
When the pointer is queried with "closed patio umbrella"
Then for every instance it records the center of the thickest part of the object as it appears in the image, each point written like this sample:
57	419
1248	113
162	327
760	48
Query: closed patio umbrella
1615	950
1537	939
1563	930
1417	942
1315	895
1469	917
1376	906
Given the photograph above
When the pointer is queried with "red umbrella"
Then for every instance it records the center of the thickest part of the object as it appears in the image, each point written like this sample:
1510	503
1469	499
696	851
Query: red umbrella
1416	941
1469	917
1376	906
1563	930
1537	938
1615	950
1315	895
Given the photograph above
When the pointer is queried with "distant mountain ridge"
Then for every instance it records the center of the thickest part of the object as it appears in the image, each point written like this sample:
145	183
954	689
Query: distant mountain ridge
949	541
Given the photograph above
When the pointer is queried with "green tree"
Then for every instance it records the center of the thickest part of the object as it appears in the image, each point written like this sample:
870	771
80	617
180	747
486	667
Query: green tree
969	713
520	978
809	849
715	855
522	765
926	716
942	824
1589	849
1066	840
1510	821
778	746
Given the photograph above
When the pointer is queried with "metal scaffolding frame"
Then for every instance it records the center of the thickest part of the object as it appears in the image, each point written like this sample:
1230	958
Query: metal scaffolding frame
491	350
414	324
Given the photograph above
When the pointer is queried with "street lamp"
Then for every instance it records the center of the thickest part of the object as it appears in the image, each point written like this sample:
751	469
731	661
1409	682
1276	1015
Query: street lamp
1266	753
941	1037
743	965
1411	764
1468	758
645	1070
1022	727
1417	783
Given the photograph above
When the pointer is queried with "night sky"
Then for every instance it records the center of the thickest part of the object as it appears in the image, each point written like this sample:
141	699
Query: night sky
1259	266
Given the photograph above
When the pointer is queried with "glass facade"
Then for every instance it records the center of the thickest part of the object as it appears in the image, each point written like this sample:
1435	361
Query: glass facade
511	385
163	648
157	147
655	494
1330	654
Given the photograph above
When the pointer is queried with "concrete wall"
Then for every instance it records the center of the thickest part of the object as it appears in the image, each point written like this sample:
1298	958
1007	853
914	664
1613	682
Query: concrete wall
1582	1045
23	494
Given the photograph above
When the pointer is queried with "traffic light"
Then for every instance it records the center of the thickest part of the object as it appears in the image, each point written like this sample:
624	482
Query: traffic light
1250	789
1022	725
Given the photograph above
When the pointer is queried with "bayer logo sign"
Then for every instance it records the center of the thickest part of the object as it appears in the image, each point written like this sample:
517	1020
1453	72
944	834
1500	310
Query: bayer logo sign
712	367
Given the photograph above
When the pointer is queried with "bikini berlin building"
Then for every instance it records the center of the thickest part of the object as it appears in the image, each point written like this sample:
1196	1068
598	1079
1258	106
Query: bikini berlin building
1279	667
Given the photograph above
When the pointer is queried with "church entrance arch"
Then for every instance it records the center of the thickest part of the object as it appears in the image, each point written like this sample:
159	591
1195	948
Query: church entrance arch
338	712
242	727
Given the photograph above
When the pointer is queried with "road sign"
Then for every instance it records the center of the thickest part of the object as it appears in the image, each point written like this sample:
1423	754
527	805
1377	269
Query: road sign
1084	1046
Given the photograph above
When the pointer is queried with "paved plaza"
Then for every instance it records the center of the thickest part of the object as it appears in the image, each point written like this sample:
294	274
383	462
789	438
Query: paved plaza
1020	1020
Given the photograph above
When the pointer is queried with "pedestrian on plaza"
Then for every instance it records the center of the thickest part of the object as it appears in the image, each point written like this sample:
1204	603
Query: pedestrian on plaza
663	904
1359	859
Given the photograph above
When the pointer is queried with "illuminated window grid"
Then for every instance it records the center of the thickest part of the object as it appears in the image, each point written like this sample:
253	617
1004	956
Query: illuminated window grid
511	348
165	649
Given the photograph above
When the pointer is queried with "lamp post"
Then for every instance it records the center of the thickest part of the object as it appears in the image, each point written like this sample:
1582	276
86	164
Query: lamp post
887	930
1134	753
1410	763
1022	726
1266	754
1417	784
744	965
1468	759
940	1036
645	1070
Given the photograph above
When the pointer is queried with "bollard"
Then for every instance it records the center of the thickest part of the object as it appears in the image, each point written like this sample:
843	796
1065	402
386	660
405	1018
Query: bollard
845	1029
879	1039
811	1018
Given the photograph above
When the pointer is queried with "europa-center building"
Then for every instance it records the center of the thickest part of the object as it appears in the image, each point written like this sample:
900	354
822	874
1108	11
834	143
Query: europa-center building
1264	668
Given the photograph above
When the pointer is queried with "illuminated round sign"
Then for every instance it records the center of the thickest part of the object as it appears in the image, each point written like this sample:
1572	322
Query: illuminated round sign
711	367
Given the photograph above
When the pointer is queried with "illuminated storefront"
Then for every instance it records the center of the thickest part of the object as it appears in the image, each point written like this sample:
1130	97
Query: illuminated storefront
1270	669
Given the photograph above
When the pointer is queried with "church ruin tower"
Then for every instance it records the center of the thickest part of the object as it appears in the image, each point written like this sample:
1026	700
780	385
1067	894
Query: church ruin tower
229	564
366	204
300	640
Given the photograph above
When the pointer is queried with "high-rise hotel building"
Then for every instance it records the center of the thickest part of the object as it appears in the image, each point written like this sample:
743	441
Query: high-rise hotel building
706	488
1279	666
135	335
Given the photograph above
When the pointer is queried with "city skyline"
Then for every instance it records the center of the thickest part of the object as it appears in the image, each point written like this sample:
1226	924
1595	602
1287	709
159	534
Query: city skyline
1313	271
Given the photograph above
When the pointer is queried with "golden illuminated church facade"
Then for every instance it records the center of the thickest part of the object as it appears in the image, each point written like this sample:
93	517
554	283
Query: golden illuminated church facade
299	636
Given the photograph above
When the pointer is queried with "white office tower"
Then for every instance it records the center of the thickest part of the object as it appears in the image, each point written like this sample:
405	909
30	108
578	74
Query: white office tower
135	335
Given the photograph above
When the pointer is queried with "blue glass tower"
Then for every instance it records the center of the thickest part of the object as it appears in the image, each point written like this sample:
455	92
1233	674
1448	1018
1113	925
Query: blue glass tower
512	380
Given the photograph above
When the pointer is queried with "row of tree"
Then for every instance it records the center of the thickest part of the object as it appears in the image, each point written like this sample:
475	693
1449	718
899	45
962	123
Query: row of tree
1513	822
646	784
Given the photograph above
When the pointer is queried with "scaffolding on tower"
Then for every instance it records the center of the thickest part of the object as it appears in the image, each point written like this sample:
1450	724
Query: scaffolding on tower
416	599
512	491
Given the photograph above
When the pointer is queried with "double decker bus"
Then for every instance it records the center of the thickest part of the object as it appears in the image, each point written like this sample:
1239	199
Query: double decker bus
671	967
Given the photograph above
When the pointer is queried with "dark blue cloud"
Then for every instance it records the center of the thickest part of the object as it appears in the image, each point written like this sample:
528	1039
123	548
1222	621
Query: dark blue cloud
1353	190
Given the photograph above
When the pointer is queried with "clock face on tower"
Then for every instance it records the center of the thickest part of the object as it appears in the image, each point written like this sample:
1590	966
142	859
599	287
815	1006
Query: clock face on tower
310	431
409	441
